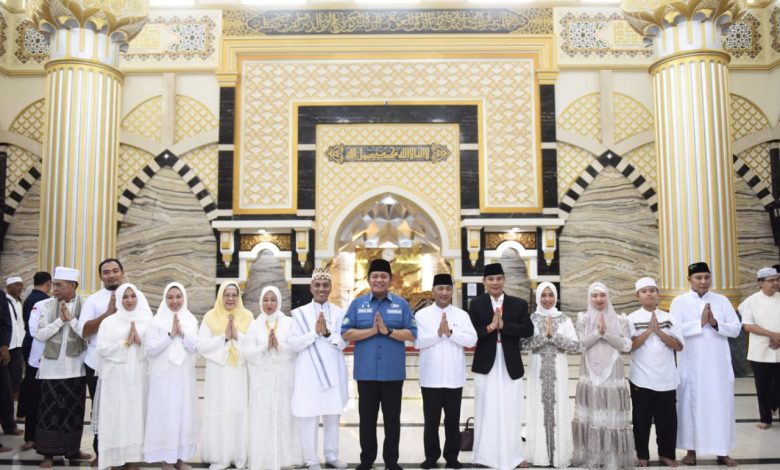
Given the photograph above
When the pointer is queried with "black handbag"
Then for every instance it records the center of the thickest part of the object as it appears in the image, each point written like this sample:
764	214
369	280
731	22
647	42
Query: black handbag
467	437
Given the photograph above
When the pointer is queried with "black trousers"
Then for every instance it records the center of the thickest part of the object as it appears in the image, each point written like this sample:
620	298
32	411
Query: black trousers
650	406
767	378
434	401
91	379
7	416
372	394
29	400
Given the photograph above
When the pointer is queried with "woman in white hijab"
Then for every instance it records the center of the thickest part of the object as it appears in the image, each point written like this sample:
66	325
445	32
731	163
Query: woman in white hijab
273	431
172	417
602	431
548	432
122	389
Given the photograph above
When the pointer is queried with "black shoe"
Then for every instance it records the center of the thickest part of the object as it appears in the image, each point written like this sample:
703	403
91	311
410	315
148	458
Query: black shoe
454	464
428	464
393	466
364	466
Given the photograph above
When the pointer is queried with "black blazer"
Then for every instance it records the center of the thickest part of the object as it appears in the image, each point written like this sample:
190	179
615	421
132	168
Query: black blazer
517	324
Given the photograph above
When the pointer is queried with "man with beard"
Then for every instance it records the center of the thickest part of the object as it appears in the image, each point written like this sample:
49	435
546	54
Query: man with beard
97	308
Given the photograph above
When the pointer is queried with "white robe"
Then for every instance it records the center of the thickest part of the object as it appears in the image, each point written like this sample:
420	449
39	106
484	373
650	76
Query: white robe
548	392
273	431
320	387
224	419
705	397
122	398
172	419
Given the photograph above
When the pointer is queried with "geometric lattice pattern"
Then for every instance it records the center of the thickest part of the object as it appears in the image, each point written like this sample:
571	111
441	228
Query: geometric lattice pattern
757	158
572	161
644	159
631	117
437	184
144	120
192	118
131	161
505	88
746	117
30	121
203	162
19	162
583	117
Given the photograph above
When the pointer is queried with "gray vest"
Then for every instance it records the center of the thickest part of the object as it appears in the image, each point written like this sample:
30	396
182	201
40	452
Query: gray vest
76	345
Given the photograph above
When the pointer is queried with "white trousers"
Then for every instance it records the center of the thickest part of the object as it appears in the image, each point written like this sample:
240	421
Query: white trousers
308	429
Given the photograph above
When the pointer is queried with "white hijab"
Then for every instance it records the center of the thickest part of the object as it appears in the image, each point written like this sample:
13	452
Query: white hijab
271	316
601	353
164	321
141	314
551	312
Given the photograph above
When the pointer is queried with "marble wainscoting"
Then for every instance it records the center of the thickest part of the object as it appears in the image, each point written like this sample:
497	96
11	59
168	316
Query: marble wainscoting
164	237
265	270
756	243
611	236
20	246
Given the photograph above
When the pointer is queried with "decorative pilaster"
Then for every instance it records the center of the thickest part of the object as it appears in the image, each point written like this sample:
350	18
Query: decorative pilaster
696	204
83	96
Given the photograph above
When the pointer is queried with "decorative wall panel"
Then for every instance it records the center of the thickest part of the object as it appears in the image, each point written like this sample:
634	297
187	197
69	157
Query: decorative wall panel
183	39
746	117
130	162
19	163
631	117
757	158
583	116
204	161
32	48
192	118
644	159
145	119
505	88
243	22
30	121
342	184
572	161
3	32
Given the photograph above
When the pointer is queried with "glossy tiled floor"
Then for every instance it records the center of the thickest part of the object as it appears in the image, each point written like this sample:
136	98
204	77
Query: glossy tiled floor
755	449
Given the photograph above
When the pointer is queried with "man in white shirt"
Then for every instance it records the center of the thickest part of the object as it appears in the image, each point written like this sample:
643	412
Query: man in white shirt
761	319
61	371
705	397
443	330
653	375
320	387
97	308
11	354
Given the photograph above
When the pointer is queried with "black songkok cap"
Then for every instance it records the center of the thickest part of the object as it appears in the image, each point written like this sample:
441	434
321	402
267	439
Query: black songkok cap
493	269
700	267
443	279
380	265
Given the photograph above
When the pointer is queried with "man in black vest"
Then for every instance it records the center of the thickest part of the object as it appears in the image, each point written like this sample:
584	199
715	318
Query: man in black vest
501	321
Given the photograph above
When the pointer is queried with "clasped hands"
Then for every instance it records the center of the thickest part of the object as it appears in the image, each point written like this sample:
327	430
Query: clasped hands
321	327
498	321
707	317
231	332
444	327
133	337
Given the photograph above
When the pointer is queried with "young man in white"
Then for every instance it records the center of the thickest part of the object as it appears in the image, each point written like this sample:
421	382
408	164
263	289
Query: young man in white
761	318
705	397
653	375
320	387
443	330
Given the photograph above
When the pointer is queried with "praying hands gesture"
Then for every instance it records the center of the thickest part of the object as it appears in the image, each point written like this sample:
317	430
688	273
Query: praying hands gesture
444	327
322	326
65	315
708	317
176	328
497	322
601	324
273	342
230	331
548	327
132	337
379	324
653	325
111	304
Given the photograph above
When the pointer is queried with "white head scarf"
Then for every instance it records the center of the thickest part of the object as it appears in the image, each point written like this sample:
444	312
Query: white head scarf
275	291
600	354
164	321
140	314
551	312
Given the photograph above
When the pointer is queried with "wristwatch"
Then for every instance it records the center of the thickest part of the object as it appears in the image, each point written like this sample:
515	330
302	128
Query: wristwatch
389	331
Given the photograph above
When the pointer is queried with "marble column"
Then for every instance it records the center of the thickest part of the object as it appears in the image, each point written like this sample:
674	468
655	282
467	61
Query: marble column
78	221
696	205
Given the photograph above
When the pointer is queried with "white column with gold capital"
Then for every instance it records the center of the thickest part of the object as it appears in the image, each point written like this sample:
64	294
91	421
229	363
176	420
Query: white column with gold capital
83	95
696	204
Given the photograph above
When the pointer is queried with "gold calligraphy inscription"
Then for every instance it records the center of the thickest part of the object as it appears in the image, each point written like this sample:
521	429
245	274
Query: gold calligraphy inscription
527	239
282	240
342	153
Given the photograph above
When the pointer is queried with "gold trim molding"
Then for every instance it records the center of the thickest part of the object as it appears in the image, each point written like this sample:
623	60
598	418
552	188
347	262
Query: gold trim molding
494	239
283	241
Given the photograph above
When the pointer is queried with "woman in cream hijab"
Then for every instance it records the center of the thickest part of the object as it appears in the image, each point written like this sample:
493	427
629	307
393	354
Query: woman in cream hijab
224	436
122	390
548	433
273	431
172	416
602	432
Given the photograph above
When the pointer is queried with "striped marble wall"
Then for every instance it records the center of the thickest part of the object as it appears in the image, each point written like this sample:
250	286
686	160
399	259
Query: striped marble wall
165	236
265	270
20	246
